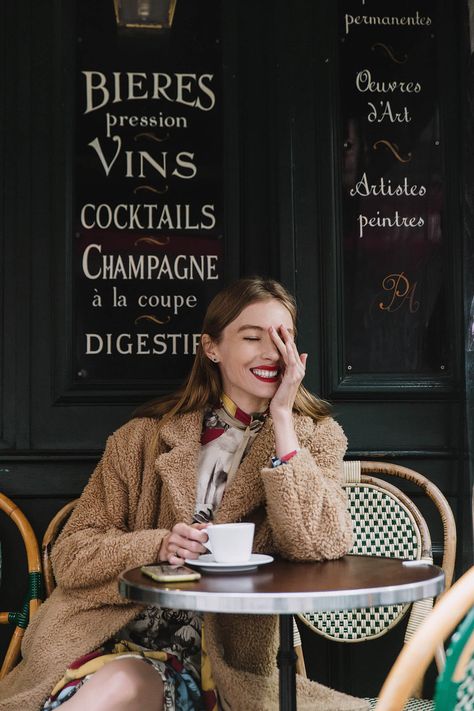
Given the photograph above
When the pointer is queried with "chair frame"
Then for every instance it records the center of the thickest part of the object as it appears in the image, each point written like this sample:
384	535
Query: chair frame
431	491
415	656
35	584
355	472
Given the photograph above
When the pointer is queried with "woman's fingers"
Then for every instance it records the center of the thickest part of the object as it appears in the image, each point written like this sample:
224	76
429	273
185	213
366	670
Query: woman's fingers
285	343
196	532
294	364
299	359
278	341
293	370
186	542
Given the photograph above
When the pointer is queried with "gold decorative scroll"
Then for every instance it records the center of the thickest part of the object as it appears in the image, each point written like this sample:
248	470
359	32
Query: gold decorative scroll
154	319
390	52
160	241
151	136
394	149
151	189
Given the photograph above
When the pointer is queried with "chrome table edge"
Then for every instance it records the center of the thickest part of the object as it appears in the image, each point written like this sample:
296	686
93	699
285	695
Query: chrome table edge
281	603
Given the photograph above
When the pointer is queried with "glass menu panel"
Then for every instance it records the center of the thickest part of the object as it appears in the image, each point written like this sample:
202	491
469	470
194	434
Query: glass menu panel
148	247
392	189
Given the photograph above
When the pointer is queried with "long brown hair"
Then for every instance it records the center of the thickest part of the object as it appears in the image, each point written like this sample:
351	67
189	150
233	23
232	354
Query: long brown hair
203	385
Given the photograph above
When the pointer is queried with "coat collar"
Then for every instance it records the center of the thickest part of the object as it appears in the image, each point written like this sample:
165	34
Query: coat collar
177	468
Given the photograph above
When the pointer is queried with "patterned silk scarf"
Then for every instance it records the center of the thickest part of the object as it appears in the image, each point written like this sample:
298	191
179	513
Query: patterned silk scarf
227	436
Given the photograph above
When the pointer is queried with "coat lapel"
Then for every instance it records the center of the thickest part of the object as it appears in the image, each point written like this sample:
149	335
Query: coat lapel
177	467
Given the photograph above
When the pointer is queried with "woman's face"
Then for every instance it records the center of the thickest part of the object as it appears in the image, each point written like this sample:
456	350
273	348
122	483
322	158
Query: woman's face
248	359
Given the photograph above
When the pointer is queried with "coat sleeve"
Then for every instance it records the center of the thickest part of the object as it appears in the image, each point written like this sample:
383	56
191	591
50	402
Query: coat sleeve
306	504
99	540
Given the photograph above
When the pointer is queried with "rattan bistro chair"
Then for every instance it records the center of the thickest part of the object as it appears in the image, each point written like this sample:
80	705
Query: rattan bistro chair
455	685
387	523
21	618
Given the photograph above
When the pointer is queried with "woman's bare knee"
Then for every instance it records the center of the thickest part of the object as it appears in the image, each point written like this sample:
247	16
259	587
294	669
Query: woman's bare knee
135	681
123	685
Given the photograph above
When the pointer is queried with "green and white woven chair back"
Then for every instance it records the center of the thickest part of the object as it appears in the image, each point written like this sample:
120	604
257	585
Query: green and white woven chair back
383	526
411	704
455	685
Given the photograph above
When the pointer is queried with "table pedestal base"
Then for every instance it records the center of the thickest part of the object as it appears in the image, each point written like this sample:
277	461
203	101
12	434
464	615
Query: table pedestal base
286	660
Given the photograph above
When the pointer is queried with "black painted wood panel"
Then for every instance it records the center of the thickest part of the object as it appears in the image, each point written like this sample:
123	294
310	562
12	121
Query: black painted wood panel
282	218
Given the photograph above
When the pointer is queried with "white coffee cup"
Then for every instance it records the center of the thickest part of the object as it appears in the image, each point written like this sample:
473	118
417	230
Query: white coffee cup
230	542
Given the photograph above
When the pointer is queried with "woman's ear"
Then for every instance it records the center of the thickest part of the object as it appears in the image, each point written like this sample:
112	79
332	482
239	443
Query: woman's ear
209	347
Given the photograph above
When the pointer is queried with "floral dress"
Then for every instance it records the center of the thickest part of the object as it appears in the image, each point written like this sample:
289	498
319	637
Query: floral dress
171	640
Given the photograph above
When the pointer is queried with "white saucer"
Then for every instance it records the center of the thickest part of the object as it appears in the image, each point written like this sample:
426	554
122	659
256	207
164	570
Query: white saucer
207	563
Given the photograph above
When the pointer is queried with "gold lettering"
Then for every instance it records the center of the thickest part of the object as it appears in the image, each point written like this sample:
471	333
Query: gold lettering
400	291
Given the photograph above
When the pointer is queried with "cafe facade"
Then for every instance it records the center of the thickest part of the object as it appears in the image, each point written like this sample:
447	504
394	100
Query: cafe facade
147	161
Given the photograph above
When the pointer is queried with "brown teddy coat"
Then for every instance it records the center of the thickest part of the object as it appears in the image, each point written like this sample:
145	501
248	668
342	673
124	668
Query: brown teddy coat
135	496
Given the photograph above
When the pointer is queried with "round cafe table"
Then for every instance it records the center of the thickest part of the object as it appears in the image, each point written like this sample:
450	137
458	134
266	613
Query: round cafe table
285	588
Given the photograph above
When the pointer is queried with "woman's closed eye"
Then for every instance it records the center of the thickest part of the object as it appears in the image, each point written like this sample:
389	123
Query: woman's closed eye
251	338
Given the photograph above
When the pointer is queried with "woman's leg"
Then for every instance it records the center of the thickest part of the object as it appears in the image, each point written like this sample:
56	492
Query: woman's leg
123	685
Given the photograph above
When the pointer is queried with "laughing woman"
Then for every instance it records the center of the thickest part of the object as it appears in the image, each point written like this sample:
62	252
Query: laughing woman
242	440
